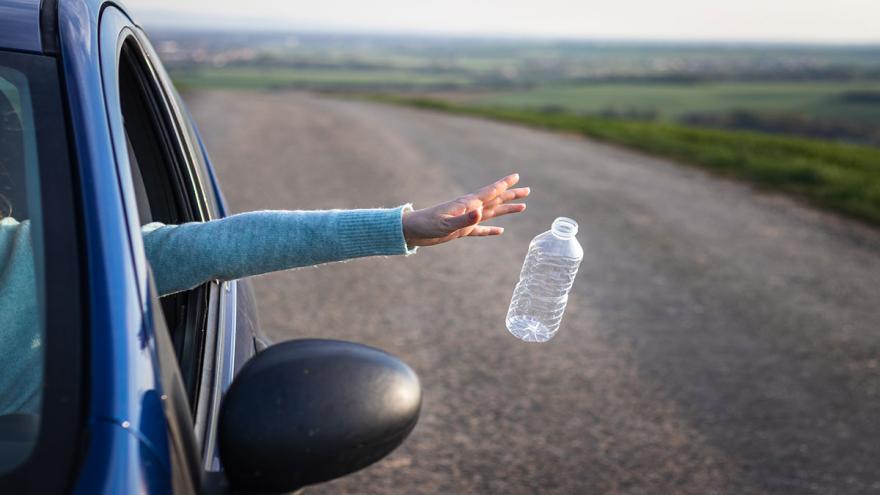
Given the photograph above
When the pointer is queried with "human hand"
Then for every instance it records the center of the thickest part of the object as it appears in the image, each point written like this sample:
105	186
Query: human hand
461	216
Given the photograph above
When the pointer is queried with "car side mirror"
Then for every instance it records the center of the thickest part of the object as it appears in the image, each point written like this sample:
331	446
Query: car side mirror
306	411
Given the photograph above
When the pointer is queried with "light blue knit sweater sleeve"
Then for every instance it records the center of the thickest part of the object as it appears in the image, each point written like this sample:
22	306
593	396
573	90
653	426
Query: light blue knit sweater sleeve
184	256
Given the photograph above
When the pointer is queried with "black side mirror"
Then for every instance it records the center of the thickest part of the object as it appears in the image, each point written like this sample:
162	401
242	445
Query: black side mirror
306	411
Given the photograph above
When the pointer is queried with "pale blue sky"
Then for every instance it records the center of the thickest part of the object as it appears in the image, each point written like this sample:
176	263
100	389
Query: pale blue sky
753	20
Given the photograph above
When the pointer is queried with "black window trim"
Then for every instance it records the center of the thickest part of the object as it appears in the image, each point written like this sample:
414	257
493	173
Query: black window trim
185	128
172	120
132	53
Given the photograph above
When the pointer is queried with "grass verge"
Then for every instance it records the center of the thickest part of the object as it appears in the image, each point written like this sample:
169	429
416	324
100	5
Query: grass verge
840	177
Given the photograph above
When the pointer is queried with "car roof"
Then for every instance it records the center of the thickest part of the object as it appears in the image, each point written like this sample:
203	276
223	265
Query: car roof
20	27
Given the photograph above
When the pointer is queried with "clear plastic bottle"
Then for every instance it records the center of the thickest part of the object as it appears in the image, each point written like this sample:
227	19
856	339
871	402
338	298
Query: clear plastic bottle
548	272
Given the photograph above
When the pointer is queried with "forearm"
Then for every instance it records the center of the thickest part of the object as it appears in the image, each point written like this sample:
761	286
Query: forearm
184	256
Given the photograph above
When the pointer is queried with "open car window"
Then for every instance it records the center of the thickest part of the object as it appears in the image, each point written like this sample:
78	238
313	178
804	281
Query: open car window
165	193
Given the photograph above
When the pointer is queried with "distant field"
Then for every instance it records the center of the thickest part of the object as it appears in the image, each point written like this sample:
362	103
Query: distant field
668	101
734	109
825	100
840	177
244	77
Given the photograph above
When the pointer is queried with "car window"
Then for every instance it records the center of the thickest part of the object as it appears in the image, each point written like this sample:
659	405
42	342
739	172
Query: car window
188	131
21	322
165	192
201	161
39	285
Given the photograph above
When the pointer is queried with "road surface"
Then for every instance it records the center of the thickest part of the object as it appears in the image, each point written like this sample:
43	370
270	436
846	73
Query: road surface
718	339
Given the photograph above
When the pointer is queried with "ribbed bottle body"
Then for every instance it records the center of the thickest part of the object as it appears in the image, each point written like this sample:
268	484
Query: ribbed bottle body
541	294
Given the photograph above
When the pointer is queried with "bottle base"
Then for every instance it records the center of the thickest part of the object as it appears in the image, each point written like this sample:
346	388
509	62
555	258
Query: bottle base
529	330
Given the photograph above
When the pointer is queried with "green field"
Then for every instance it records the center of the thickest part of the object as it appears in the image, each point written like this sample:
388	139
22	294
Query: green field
821	100
646	114
840	177
825	101
245	77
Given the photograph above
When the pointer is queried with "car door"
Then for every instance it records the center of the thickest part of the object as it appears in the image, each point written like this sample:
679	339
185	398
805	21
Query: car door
161	182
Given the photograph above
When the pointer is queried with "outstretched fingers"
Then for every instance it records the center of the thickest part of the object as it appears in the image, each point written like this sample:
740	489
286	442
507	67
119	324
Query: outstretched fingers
491	191
497	211
485	230
509	195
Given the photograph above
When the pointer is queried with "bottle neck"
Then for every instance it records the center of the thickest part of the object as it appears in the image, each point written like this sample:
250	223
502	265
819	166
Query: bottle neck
564	228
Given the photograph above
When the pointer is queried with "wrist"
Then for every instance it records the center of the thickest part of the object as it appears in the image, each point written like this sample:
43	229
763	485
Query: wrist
406	225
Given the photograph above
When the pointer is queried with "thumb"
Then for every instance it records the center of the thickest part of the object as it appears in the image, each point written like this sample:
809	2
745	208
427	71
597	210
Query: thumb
465	220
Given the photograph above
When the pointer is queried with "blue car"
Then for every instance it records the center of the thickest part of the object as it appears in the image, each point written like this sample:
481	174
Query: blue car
141	394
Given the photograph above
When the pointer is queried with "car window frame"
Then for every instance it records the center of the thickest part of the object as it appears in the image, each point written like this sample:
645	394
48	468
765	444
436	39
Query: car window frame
221	346
183	128
220	297
190	311
201	303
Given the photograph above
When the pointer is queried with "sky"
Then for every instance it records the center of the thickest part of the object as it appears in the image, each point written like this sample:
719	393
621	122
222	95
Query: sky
833	21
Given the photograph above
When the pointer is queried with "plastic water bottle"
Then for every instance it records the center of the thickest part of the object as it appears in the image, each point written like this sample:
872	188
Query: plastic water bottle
540	297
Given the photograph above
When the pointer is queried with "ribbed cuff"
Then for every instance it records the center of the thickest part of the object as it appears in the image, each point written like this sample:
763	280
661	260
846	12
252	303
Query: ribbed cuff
375	232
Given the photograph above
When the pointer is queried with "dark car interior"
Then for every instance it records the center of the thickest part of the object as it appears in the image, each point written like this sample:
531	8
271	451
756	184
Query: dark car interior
36	184
17	431
13	199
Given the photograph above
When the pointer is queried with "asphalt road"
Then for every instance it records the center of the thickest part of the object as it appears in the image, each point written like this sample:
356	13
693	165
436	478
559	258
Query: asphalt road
718	339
